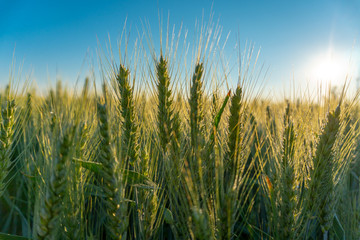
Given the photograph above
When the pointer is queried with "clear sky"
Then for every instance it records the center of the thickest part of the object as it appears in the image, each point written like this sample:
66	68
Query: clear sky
297	38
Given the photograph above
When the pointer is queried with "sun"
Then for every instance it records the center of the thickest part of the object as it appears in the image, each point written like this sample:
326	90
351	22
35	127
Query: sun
330	69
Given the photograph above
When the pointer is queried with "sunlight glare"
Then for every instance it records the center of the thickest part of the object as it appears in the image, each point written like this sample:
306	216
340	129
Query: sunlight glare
330	69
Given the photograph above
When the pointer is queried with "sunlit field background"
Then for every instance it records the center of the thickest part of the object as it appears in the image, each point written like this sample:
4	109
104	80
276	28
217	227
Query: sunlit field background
178	132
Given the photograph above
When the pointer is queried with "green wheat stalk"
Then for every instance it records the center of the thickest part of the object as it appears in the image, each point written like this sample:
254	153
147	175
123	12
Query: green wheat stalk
129	141
322	189
6	139
51	213
287	180
116	208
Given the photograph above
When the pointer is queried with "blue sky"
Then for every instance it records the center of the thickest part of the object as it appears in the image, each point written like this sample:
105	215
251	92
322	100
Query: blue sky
53	37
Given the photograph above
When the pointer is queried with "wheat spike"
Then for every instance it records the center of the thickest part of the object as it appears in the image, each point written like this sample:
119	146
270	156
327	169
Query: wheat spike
116	209
6	139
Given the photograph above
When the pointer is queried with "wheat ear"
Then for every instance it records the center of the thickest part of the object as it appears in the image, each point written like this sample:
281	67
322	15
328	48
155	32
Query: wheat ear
322	188
116	209
52	209
129	140
287	180
6	139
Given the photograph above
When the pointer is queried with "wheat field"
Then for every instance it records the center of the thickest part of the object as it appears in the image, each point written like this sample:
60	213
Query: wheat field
185	157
